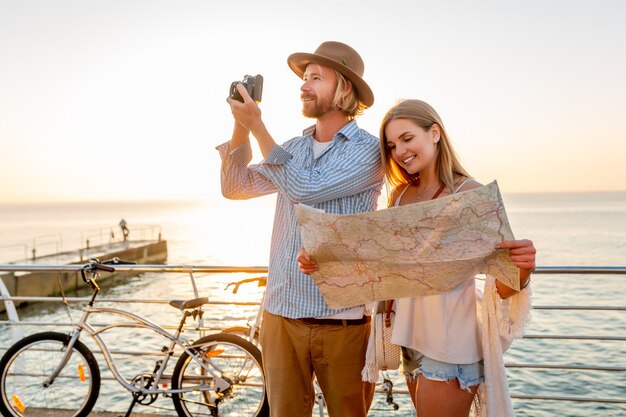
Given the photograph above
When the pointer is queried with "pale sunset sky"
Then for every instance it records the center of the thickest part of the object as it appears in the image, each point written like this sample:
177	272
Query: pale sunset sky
118	100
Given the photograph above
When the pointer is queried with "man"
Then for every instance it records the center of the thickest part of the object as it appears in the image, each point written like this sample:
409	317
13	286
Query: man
334	166
125	231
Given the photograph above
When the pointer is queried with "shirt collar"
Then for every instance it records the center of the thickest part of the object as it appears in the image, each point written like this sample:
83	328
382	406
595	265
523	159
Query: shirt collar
349	130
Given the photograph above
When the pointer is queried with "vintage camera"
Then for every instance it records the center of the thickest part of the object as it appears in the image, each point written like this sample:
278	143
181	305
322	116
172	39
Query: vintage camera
253	85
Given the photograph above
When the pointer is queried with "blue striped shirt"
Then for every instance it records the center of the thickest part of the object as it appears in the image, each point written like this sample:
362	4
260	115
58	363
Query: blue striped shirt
345	178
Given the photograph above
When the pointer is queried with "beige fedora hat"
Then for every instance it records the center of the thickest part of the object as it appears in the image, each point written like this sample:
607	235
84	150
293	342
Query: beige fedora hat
338	56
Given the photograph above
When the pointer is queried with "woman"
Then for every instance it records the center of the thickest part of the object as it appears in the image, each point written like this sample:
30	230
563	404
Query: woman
442	343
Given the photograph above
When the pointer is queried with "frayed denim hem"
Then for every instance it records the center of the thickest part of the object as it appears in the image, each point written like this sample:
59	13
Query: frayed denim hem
465	384
415	363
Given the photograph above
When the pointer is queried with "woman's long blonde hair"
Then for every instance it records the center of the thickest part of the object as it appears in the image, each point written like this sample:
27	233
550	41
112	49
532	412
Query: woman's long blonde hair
448	167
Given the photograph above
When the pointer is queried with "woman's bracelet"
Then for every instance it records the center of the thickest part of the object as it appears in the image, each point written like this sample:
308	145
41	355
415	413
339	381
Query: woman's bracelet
525	284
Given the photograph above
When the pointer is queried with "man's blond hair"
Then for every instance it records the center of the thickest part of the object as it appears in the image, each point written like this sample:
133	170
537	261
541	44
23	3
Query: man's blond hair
346	98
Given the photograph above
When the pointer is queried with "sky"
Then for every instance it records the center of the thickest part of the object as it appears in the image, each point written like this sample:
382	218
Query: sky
125	100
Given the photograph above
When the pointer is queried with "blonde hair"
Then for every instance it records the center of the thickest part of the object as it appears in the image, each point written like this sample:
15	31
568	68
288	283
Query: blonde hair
346	98
448	165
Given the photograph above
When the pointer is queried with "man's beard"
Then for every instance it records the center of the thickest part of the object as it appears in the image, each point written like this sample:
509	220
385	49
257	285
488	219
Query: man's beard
321	107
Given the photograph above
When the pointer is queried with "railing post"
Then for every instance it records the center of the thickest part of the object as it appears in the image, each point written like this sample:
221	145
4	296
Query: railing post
16	332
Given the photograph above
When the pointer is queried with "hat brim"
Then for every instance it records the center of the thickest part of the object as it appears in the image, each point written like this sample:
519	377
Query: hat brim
298	62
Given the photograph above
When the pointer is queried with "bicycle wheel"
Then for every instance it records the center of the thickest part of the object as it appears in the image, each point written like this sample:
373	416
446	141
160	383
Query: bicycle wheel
27	365
244	333
230	358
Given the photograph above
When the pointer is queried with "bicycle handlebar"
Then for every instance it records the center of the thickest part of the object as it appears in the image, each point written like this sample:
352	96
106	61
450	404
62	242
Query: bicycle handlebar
118	261
95	265
103	267
261	282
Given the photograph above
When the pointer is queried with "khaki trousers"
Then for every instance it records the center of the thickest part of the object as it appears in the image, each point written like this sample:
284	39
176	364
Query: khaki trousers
293	351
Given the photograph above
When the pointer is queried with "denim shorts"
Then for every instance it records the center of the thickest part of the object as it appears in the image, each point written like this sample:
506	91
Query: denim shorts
414	363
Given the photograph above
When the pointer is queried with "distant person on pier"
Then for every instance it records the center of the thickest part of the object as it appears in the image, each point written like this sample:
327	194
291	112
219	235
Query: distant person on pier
125	230
335	166
451	346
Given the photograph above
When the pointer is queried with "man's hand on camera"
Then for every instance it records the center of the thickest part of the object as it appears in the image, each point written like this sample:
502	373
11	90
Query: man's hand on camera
248	113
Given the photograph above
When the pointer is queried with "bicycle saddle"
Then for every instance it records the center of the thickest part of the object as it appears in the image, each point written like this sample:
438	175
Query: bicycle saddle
189	304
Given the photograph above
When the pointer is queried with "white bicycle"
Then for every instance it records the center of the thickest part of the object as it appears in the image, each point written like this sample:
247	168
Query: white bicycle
216	375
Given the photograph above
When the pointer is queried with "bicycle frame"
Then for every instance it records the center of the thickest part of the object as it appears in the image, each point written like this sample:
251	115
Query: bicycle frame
139	322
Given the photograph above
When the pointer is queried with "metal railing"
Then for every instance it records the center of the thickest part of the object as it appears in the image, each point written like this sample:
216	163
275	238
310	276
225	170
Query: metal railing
135	269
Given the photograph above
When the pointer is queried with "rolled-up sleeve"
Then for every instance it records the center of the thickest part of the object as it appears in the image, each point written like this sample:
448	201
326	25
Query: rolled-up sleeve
239	180
278	155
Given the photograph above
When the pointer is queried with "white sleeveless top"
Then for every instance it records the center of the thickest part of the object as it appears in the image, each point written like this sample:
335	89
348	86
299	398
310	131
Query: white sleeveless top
443	326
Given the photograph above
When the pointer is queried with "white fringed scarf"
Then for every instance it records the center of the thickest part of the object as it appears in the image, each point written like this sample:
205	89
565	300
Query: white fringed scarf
500	321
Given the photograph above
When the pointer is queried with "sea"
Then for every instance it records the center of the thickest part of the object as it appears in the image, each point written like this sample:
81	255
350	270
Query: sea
568	229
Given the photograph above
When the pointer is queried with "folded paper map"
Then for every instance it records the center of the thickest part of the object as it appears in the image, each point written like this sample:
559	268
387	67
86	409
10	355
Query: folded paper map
407	251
